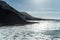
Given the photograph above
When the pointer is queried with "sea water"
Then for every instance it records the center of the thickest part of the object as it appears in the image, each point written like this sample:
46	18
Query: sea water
44	30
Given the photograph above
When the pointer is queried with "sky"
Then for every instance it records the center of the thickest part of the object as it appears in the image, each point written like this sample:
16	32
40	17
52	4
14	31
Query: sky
38	8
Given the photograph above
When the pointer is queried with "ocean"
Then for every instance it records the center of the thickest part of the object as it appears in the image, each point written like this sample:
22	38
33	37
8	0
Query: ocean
44	30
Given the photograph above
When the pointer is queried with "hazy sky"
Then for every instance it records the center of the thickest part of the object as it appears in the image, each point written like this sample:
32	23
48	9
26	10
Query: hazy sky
38	8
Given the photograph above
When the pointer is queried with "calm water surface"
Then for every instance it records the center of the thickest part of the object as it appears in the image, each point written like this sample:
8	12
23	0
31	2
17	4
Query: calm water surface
44	30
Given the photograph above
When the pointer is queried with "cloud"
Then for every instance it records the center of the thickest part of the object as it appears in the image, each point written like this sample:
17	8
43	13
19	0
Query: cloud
40	2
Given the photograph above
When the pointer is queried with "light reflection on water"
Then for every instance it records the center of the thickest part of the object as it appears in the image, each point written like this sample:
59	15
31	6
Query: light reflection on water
44	30
45	25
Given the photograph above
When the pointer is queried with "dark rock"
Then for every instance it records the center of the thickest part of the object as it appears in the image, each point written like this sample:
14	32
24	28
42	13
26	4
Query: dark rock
29	17
10	16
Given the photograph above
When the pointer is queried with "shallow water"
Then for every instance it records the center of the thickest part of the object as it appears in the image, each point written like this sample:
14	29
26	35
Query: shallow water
44	30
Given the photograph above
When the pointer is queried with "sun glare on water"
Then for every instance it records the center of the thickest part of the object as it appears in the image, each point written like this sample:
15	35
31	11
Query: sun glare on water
45	25
40	26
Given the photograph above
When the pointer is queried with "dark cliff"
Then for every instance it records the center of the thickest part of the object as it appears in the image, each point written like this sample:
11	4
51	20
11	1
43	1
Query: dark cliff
9	15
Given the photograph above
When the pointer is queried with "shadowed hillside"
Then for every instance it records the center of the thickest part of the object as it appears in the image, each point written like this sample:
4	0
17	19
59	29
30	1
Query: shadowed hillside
10	16
29	17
